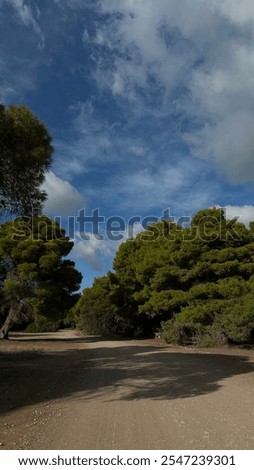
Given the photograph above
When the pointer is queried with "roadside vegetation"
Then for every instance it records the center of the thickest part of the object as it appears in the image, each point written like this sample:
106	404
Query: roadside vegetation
190	284
38	285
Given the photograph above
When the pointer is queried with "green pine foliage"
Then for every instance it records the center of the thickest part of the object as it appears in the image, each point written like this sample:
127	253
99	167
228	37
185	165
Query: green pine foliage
33	253
94	313
195	284
25	156
34	271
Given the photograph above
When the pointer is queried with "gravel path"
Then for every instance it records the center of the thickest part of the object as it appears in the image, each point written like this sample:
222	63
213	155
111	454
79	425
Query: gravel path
65	391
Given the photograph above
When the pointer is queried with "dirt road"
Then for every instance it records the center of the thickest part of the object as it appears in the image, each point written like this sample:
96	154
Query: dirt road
65	391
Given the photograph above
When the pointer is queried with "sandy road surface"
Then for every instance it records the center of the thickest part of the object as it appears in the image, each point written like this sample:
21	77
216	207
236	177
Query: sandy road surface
64	391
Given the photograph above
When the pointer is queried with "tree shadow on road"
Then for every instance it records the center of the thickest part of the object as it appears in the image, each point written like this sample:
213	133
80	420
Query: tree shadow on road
140	372
113	372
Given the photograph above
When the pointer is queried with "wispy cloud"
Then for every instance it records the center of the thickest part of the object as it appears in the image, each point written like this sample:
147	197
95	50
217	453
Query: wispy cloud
29	15
23	55
194	58
166	186
97	143
12	89
117	165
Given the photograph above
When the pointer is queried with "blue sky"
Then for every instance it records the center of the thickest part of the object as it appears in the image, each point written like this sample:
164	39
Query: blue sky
150	104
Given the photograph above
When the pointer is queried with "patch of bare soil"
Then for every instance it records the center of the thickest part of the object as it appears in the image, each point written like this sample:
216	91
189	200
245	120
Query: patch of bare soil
65	391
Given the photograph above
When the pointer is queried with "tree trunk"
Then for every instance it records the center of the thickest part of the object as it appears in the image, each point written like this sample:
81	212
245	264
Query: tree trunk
4	332
19	312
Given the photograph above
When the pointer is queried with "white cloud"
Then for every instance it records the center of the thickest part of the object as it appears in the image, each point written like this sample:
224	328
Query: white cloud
245	214
93	251
196	57
238	12
63	198
99	253
230	144
152	40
